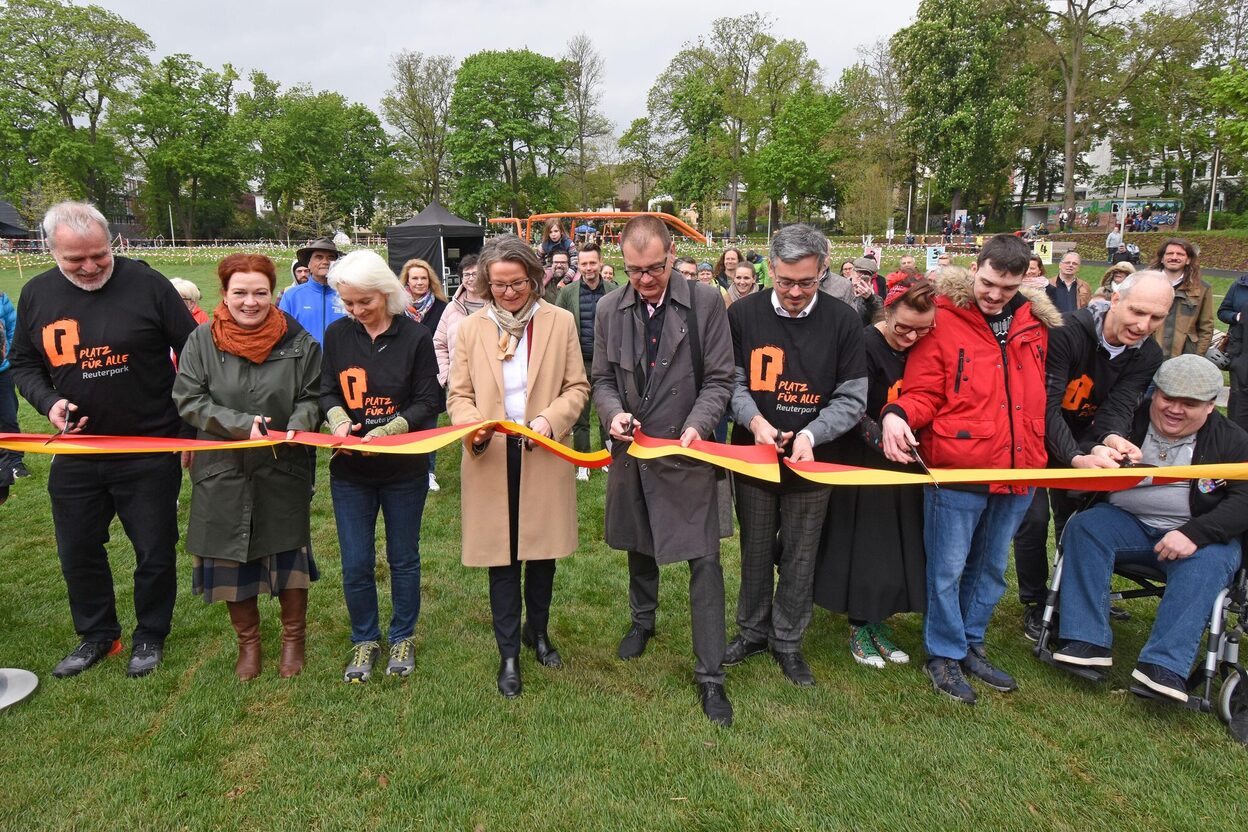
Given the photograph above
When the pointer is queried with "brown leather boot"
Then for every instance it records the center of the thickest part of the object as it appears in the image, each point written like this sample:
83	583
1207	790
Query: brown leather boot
294	630
245	616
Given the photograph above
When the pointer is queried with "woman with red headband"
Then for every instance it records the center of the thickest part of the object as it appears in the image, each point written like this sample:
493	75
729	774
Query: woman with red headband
871	560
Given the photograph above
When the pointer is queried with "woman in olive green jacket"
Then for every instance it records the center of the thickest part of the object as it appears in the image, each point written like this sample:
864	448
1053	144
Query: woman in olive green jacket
252	372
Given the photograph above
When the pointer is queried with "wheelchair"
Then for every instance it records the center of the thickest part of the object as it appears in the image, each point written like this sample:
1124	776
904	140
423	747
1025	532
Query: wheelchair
1227	621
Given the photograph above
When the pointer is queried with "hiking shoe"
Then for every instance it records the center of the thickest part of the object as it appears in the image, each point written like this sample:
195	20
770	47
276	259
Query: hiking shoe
20	472
363	657
863	647
144	658
1160	680
976	664
882	638
402	657
582	475
741	648
433	483
1033	615
947	678
84	656
1084	654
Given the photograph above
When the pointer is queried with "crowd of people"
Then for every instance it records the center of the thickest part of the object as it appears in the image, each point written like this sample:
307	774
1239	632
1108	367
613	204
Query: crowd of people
997	366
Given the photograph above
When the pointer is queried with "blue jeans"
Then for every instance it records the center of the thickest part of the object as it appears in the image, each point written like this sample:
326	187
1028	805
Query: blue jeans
967	535
355	511
1103	535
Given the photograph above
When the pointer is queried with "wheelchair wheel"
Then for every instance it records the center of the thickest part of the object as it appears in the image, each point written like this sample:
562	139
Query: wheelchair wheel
1233	700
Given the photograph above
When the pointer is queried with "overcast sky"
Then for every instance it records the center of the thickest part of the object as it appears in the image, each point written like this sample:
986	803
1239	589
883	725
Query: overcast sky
346	46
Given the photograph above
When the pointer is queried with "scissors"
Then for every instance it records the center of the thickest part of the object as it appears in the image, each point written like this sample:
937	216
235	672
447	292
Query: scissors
70	422
914	452
264	431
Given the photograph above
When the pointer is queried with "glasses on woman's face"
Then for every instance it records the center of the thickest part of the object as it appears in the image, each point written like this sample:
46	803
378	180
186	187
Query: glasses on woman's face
903	330
189	303
516	286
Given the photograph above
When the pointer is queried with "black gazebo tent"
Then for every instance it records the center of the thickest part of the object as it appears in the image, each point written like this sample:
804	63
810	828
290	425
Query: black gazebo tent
435	235
10	223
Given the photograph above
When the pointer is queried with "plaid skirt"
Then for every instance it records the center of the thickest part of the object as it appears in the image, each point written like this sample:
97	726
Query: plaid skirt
227	580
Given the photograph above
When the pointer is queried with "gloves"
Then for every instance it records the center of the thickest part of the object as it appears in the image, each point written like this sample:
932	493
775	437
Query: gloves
336	417
394	427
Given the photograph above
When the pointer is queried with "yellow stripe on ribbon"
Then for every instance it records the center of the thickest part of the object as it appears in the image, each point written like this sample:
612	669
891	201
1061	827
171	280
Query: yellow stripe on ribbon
758	461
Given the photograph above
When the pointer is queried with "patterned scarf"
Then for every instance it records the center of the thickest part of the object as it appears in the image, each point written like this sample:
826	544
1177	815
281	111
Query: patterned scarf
511	326
251	344
421	307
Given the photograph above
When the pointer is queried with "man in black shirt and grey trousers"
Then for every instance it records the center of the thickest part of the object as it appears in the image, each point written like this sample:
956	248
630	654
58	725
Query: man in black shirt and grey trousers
92	353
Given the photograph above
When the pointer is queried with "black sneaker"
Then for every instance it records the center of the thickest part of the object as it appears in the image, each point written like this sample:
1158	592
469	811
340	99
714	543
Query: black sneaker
947	678
976	664
741	648
715	703
634	642
20	472
1084	654
1032	619
144	658
84	656
1160	680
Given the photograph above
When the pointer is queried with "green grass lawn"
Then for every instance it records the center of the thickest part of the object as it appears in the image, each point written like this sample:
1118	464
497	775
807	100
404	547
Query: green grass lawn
601	744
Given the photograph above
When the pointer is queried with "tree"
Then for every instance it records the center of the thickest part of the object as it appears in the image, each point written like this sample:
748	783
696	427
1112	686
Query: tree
180	127
1229	90
297	136
643	156
70	63
510	126
585	68
798	161
418	106
687	113
956	64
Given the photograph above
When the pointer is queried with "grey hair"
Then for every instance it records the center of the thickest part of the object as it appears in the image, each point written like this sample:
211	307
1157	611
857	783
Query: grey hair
365	271
1124	286
185	288
797	242
79	217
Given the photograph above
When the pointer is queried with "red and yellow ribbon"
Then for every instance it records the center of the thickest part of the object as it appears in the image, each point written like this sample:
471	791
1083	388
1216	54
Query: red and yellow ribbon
418	442
758	461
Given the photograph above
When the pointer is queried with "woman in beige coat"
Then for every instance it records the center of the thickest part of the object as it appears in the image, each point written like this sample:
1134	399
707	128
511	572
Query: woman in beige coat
518	358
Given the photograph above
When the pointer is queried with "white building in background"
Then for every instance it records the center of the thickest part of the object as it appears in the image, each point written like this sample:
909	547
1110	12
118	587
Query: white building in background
1097	205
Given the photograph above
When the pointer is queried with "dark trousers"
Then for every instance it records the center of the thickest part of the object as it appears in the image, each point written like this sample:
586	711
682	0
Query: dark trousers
142	491
706	607
8	424
582	436
505	581
798	517
1031	543
1237	401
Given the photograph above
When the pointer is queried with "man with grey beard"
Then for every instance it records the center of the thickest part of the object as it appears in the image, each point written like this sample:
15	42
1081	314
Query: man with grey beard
92	352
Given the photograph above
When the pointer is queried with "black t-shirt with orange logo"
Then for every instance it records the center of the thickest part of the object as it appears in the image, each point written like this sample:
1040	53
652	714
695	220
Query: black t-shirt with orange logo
107	351
374	381
794	365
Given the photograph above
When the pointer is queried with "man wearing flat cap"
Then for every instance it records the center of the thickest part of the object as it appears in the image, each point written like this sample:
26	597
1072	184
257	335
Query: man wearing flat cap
314	304
1189	529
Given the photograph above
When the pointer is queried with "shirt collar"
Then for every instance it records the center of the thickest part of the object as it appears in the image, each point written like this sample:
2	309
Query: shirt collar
784	313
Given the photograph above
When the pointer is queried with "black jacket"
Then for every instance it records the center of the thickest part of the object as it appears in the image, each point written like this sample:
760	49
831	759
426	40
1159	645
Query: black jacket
1221	514
1088	395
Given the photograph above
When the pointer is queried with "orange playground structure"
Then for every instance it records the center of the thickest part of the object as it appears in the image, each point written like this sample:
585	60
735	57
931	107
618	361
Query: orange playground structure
524	227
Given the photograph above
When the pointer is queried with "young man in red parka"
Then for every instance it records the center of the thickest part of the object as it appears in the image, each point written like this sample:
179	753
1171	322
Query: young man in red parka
974	392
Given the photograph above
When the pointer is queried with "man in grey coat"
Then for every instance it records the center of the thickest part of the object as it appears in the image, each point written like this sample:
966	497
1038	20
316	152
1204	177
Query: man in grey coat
651	339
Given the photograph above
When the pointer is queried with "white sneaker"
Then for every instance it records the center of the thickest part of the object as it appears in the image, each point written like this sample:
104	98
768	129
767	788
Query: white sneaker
582	474
433	483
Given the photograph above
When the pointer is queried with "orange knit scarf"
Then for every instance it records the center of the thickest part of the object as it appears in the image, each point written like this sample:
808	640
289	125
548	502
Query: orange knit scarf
252	344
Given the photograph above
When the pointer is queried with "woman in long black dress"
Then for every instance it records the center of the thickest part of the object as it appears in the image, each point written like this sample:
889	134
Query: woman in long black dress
871	559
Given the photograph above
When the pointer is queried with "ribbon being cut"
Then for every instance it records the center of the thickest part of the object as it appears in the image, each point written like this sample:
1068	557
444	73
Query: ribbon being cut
759	461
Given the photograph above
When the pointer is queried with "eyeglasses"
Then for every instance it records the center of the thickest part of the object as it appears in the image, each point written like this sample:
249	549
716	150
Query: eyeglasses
656	270
470	273
805	285
516	286
920	331
689	273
